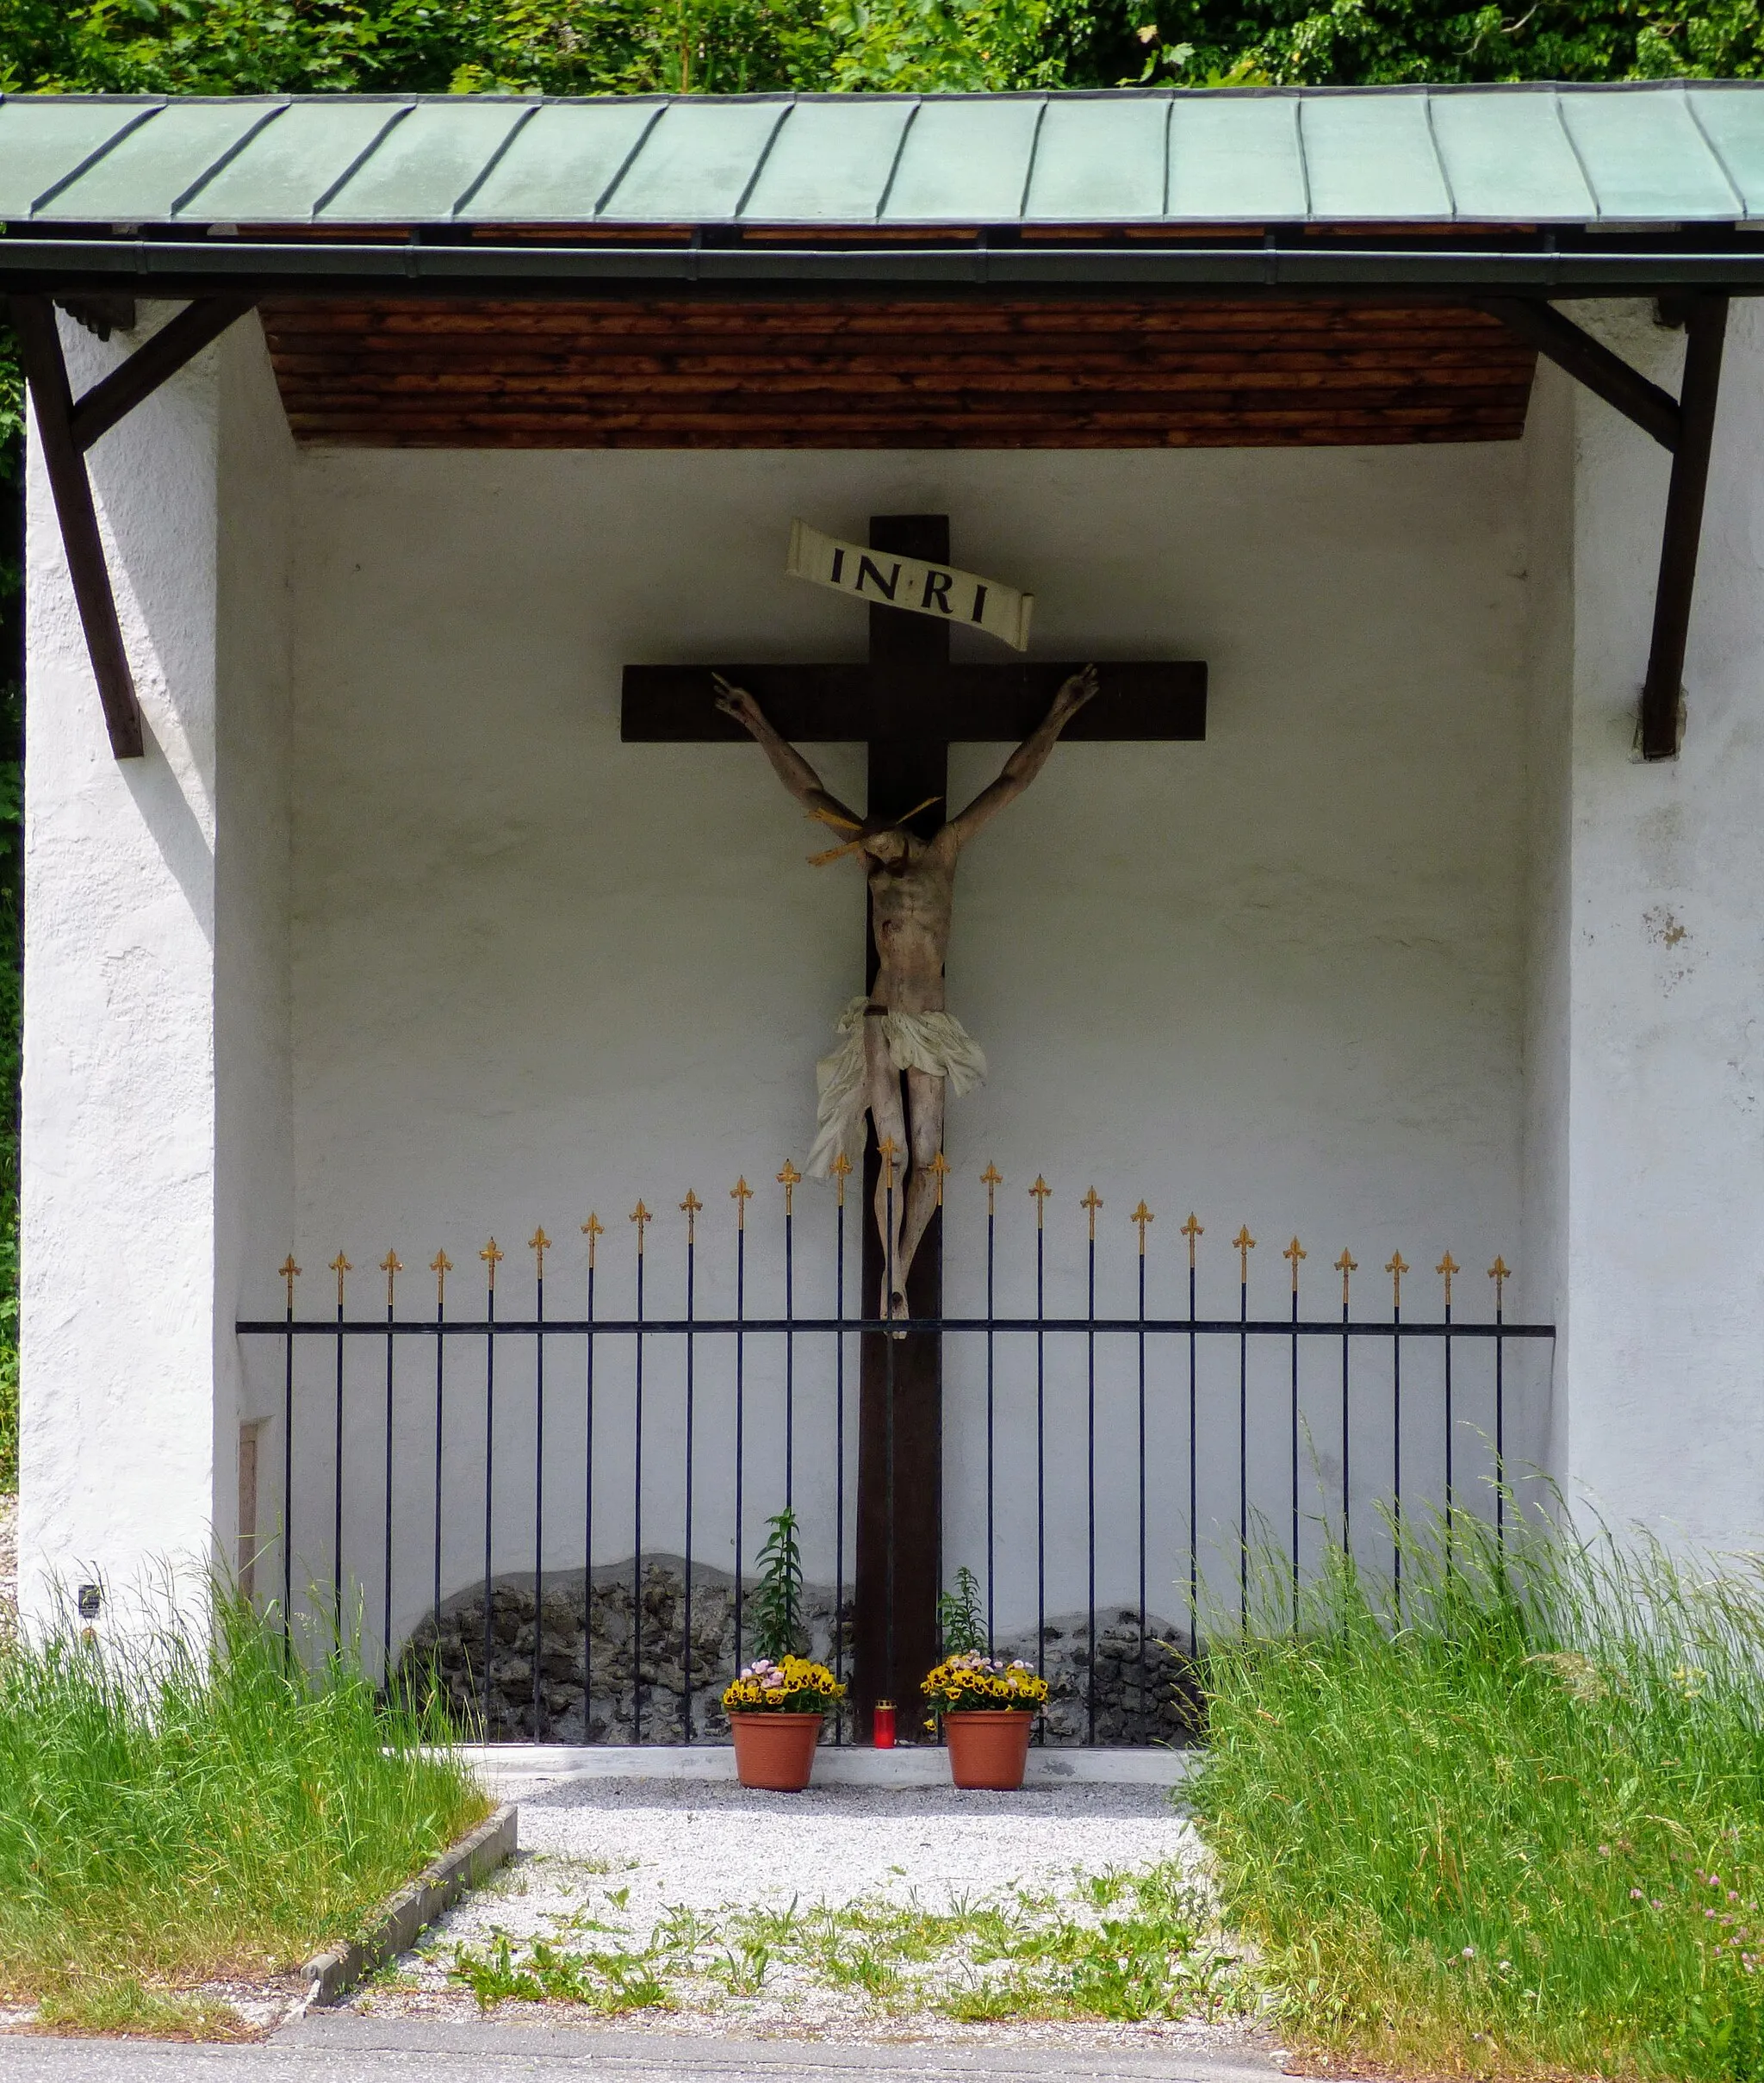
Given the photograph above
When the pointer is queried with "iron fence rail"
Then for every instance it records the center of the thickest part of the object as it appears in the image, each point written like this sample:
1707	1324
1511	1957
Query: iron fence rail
1153	1369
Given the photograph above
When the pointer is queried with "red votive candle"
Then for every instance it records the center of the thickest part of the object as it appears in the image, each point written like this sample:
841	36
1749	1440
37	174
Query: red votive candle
882	1725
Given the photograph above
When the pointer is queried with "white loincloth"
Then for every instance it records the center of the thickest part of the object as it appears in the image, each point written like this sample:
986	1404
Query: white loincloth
935	1042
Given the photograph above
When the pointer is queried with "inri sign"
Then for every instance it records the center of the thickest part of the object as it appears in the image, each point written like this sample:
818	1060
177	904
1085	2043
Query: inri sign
883	580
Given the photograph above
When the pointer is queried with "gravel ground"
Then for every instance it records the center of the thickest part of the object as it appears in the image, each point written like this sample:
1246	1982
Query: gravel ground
614	1866
714	1846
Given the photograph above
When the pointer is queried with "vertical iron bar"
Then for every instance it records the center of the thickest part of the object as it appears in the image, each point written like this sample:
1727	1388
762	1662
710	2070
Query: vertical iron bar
440	1265
689	1207
489	1255
392	1269
1396	1269
1039	1190
1448	1418
593	1231
640	1218
1294	1251
1142	1215
1192	1230
289	1271
993	1182
740	1193
1347	1266
339	1266
888	1336
842	1166
1094	1204
787	1179
1245	1245
1498	1274
538	1247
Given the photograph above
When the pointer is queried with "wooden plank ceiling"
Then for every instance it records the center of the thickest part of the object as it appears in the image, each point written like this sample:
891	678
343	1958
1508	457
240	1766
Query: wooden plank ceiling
1118	373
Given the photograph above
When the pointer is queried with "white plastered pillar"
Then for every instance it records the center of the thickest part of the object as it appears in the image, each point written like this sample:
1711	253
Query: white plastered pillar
155	1099
1646	1039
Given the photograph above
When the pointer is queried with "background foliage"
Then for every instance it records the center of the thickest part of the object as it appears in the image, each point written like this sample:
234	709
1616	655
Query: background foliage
617	46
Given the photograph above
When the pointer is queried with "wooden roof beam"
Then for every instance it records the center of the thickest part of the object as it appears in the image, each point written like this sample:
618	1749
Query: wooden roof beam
67	429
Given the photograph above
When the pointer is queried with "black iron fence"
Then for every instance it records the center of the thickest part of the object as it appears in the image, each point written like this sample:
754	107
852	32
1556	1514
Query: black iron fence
556	1489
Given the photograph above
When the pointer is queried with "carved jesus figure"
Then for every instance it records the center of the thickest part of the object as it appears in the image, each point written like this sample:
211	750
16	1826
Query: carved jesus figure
902	1025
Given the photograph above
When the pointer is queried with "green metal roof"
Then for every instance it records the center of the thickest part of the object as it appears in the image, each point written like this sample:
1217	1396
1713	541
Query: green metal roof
1653	154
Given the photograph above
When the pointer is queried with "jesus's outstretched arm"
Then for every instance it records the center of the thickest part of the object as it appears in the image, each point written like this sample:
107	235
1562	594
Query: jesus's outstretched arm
1025	763
787	763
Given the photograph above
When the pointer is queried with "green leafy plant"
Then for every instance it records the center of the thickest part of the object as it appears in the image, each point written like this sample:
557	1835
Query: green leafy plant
775	1604
961	1619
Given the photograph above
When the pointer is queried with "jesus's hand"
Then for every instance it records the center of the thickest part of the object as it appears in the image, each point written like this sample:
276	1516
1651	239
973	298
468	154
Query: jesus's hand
1080	688
737	702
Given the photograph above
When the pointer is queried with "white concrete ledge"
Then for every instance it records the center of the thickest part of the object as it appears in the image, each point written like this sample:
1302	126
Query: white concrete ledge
835	1765
413	1908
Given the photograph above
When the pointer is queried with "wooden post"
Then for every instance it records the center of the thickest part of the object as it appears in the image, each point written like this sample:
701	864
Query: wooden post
900	1481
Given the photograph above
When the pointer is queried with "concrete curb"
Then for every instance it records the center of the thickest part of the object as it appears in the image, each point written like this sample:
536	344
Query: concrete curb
522	1767
439	1887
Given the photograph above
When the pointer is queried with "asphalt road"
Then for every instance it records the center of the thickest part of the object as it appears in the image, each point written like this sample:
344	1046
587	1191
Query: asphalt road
349	2049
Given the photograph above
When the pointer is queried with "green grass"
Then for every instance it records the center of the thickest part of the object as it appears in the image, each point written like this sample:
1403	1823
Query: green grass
1520	1832
184	1810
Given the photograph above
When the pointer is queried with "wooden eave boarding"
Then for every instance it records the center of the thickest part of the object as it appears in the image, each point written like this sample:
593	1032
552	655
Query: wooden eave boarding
1131	268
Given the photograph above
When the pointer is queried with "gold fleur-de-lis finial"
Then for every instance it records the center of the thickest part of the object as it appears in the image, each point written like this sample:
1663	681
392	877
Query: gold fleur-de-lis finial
939	1169
1292	1254
992	1178
539	1243
1193	1231
392	1266
1040	1190
492	1257
1500	1273
1396	1268
290	1272
840	1169
790	1179
340	1265
1447	1266
593	1230
1092	1201
440	1265
1243	1244
1142	1216
888	1150
740	1193
691	1207
1347	1266
643	1218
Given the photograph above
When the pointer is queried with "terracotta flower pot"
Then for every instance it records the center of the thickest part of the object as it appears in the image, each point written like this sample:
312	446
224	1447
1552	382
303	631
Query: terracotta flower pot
989	1747
776	1753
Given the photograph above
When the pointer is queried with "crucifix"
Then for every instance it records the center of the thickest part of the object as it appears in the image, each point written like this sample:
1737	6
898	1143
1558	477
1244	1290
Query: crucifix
906	705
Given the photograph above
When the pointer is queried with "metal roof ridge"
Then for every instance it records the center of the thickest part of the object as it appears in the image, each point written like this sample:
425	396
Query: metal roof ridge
1384	91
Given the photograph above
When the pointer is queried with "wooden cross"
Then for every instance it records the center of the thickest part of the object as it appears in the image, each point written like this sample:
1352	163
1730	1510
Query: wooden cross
907	705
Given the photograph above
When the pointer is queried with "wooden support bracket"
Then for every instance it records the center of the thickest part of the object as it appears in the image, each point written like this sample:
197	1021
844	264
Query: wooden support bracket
67	429
1592	362
1686	426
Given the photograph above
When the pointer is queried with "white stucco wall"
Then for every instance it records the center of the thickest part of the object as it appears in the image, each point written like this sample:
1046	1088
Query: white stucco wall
1276	978
391	942
131	1224
1656	976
